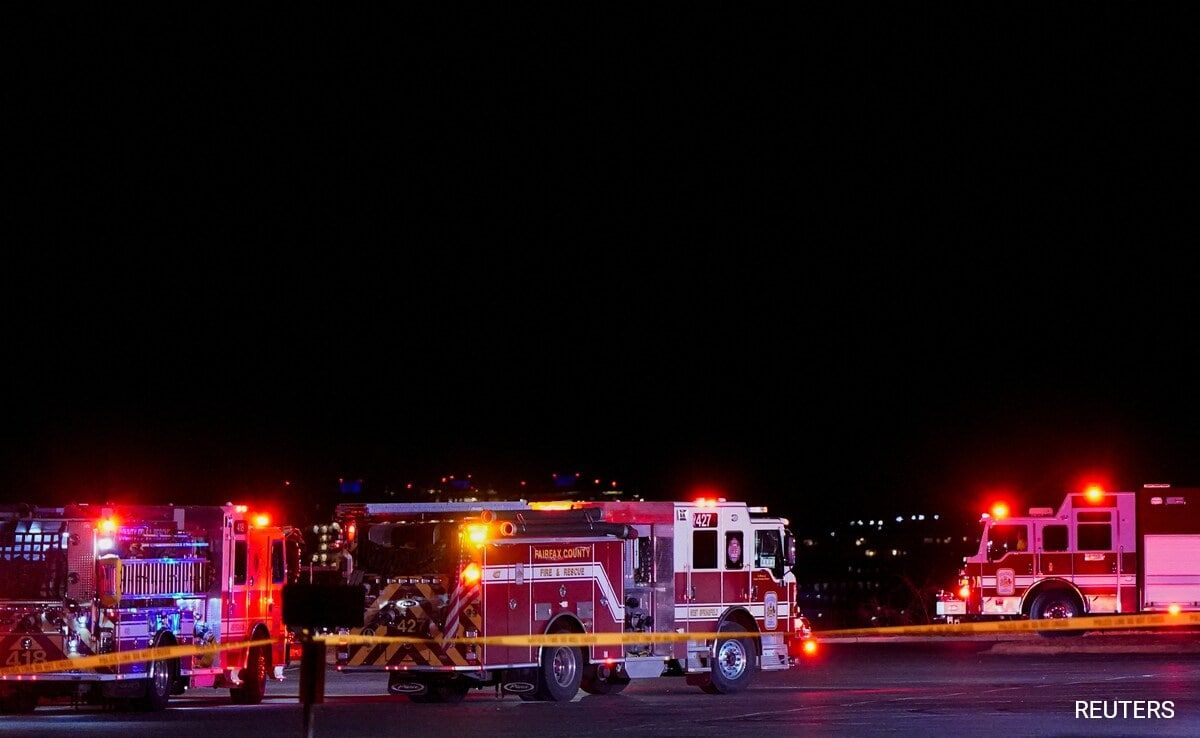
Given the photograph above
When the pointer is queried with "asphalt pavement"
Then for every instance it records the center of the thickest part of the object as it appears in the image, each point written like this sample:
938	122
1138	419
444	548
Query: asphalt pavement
943	688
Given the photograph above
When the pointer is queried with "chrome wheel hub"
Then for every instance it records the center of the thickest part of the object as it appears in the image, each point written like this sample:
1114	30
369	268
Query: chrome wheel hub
1059	610
160	678
563	665
731	659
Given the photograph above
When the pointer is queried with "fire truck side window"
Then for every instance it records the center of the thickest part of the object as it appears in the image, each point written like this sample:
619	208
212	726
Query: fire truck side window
278	570
704	549
1003	539
735	557
1054	538
1094	536
239	562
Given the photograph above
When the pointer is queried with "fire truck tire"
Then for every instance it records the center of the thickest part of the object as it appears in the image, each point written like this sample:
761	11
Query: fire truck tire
733	665
158	687
561	673
1055	603
254	677
18	701
593	683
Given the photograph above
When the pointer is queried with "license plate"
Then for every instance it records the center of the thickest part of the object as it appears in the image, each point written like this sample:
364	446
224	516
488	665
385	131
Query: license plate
952	608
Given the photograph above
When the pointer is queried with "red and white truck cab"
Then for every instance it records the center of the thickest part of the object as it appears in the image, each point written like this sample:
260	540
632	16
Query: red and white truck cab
1098	553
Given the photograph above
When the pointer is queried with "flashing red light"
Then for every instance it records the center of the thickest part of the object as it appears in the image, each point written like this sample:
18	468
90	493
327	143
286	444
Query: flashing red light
810	647
108	525
351	530
1174	609
1094	493
471	574
262	520
1000	510
964	592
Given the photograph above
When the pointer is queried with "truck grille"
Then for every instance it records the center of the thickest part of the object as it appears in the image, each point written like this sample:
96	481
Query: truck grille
159	577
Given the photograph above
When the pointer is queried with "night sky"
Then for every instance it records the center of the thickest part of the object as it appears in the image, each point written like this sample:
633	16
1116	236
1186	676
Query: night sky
840	281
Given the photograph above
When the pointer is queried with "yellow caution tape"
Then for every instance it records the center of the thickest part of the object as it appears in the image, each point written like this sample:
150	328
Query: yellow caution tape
543	639
1102	622
1095	622
128	657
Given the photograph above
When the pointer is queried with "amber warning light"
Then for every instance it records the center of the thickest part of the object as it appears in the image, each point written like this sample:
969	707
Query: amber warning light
1000	511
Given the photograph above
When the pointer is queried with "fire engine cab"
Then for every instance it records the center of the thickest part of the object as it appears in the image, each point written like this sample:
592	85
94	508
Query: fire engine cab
85	580
1100	552
465	570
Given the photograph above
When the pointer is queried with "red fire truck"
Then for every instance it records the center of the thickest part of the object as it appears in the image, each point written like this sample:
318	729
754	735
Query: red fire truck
446	570
85	580
1101	552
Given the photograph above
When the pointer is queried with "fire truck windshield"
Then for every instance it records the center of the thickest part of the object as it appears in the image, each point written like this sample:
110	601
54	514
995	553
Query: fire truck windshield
1006	538
408	549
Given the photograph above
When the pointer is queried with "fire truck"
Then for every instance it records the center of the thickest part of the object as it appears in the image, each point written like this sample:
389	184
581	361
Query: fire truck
442	571
1100	552
85	580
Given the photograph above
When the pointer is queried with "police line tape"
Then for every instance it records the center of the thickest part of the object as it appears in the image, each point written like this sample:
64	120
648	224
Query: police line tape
155	653
1094	622
1105	622
540	639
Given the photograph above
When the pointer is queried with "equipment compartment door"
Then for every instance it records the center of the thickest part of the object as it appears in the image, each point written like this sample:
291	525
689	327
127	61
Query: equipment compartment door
506	608
1172	571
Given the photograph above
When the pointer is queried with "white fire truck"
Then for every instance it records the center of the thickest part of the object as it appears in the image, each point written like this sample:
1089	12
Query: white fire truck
86	580
446	570
1100	552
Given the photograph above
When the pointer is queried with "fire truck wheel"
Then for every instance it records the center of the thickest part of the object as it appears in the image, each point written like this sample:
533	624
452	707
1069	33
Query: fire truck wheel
733	665
1054	604
18	701
254	678
158	687
593	683
561	673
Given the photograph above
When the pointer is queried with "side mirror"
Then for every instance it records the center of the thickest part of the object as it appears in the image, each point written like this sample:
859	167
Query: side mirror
789	549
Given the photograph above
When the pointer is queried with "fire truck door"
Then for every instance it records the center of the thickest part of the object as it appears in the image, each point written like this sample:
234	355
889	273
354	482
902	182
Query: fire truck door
1053	547
704	574
767	585
1096	572
258	579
